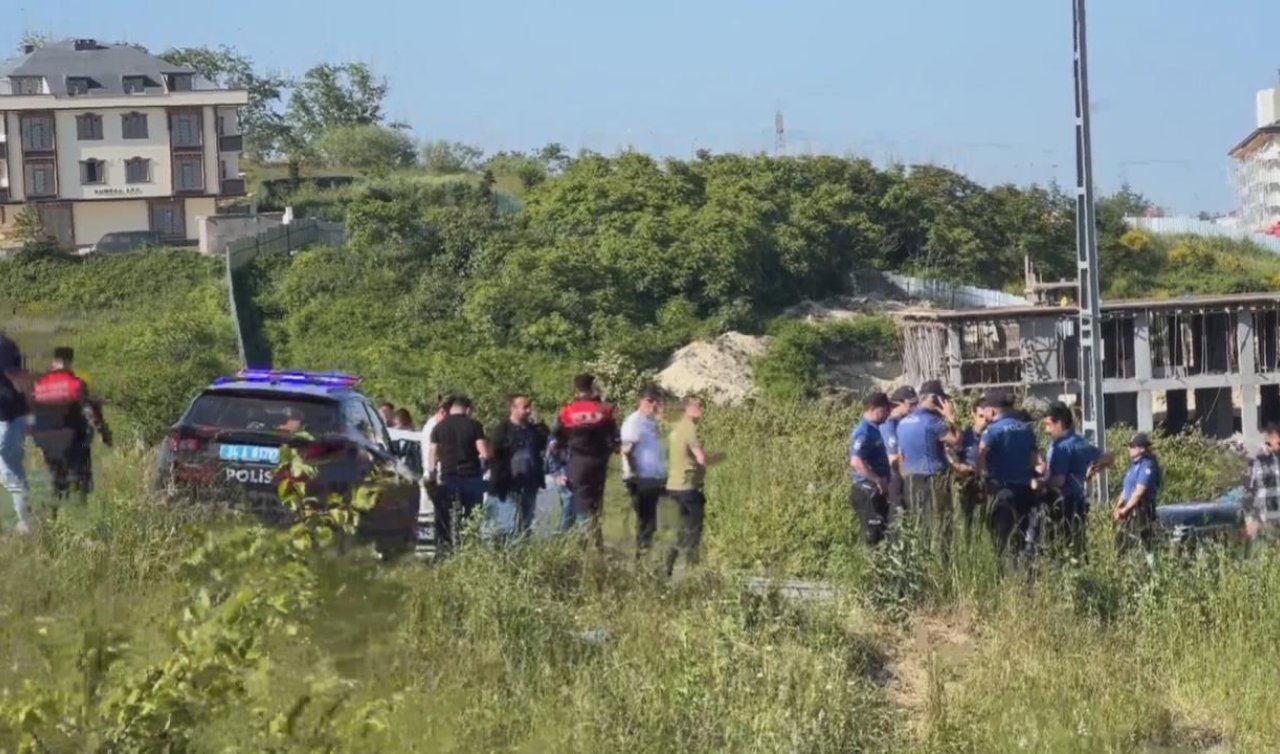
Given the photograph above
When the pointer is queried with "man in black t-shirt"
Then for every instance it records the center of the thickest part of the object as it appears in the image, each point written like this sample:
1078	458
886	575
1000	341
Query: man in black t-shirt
517	473
460	450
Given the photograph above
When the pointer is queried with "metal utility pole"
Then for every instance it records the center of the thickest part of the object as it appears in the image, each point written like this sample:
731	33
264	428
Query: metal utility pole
1091	404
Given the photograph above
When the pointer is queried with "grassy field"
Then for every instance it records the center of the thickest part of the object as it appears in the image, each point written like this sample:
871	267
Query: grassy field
544	648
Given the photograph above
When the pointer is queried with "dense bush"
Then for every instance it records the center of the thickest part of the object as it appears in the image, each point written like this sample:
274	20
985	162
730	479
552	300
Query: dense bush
796	365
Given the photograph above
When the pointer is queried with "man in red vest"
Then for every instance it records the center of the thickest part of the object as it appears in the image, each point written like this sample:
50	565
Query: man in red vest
65	418
588	431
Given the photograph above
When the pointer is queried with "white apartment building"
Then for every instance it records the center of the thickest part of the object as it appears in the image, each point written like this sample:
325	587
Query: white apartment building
1257	167
105	138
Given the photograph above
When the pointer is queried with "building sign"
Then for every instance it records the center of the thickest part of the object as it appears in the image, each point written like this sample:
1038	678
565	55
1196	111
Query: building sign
130	191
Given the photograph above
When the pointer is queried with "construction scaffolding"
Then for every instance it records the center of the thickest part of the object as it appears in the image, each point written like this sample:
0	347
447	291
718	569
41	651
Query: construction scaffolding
1218	355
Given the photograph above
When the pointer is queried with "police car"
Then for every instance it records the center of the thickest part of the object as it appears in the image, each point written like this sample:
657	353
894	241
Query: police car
228	443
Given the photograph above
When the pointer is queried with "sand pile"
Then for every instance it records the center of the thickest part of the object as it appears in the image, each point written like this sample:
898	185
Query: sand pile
719	369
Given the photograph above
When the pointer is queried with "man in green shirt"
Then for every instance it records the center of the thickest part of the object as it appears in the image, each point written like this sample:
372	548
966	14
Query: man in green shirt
687	468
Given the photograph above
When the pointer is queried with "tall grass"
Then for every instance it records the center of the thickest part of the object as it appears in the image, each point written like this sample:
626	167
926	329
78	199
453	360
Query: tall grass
545	647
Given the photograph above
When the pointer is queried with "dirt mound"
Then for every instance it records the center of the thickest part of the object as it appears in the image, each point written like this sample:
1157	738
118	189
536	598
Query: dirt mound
719	369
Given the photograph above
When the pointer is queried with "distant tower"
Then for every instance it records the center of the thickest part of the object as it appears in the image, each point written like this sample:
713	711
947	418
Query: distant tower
779	135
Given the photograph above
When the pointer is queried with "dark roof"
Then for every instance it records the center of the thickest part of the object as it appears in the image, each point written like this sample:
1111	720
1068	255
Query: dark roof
105	65
1272	130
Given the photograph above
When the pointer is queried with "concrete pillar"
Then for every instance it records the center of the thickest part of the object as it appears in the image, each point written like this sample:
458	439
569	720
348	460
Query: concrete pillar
1270	409
1248	374
1215	412
1142	370
1175	419
955	377
1121	409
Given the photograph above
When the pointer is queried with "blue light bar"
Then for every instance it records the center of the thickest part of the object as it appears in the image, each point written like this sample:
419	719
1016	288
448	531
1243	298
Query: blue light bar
272	376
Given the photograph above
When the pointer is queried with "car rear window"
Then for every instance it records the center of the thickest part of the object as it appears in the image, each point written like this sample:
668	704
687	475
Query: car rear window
257	412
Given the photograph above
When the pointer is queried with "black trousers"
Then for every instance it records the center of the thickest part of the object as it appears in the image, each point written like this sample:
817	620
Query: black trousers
1137	532
693	506
1064	523
929	505
972	503
1012	510
586	481
645	494
871	506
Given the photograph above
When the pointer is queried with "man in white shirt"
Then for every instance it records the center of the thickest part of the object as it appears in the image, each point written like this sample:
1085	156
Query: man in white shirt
644	467
430	479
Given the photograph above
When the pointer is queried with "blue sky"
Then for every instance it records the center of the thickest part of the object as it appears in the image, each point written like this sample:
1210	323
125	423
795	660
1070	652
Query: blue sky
980	85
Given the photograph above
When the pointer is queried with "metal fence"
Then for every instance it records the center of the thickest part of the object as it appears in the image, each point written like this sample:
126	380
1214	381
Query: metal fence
954	296
296	235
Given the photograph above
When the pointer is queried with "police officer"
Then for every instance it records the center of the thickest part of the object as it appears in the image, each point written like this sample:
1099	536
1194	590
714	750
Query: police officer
1071	461
1007	457
65	417
903	401
869	465
923	438
964	466
1135	511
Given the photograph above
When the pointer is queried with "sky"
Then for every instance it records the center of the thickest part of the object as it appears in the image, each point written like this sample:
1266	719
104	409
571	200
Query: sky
983	86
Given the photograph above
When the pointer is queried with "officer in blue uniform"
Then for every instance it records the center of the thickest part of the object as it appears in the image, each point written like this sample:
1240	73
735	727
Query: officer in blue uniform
1071	461
965	465
1007	457
869	465
924	435
904	401
1135	511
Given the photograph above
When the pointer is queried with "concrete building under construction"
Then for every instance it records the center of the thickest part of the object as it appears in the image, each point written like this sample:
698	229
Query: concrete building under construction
1209	360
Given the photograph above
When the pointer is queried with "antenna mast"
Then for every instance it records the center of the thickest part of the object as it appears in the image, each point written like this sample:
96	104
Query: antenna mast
779	135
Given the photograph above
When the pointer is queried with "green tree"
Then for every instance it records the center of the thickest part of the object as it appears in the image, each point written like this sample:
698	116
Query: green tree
450	158
371	148
333	95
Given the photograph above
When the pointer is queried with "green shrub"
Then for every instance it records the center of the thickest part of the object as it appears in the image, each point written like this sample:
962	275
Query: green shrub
795	366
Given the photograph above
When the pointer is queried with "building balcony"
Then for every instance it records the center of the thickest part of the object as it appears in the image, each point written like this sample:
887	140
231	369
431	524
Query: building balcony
231	143
233	186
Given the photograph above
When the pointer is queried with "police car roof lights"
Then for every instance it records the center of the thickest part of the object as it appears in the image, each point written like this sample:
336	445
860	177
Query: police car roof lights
272	376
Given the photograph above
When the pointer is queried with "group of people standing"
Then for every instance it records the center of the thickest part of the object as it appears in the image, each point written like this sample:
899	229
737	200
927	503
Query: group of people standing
462	464
908	455
56	409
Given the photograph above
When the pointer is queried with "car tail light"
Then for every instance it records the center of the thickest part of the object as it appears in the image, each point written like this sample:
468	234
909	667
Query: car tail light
179	444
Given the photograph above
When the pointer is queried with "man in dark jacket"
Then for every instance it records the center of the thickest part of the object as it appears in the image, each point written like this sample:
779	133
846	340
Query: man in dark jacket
65	420
13	422
516	470
588	432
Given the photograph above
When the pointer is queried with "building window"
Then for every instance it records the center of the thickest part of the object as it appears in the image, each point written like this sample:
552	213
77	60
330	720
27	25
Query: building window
134	125
135	84
26	84
79	85
137	170
93	171
186	129
188	173
180	82
89	127
37	133
41	178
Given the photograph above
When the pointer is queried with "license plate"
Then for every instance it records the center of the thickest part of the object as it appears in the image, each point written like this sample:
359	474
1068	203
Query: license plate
249	475
249	454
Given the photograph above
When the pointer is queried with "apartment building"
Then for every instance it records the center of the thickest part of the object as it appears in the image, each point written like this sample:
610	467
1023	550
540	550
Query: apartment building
104	137
1257	167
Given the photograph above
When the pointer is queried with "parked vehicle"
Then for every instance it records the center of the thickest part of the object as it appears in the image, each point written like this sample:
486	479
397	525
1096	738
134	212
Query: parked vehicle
125	241
1188	524
228	443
